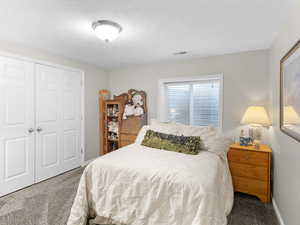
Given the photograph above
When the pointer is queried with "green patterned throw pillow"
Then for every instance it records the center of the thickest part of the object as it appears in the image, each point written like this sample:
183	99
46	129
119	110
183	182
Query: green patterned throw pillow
183	144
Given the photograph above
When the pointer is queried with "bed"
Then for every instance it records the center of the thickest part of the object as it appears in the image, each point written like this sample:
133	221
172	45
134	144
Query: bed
138	185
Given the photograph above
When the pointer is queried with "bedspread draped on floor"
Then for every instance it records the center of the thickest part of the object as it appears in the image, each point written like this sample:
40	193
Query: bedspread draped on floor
138	185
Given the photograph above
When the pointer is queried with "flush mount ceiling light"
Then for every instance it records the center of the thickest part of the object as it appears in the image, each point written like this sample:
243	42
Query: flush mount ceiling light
106	30
180	53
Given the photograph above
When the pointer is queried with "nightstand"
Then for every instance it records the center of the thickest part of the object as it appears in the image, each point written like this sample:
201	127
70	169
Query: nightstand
251	170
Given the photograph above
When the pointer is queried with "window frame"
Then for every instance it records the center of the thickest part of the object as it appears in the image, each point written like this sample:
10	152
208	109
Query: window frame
162	112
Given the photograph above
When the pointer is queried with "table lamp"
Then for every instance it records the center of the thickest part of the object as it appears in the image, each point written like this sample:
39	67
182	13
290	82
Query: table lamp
256	117
290	116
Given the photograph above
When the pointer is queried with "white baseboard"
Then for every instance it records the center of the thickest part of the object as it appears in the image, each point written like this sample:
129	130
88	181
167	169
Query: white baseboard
281	222
85	163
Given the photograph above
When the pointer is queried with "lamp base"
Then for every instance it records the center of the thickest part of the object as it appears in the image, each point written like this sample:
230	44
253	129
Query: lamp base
256	144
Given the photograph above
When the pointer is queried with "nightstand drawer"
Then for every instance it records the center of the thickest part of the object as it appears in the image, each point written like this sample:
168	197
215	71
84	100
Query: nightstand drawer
249	157
249	171
250	186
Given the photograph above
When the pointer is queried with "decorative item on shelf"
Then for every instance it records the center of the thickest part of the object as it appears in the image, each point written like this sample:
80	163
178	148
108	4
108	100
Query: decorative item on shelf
245	141
113	126
138	110
113	111
129	110
256	117
132	110
134	106
112	136
290	92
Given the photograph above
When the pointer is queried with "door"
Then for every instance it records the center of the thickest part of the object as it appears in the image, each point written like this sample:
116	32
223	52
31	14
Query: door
71	120
48	104
16	125
58	115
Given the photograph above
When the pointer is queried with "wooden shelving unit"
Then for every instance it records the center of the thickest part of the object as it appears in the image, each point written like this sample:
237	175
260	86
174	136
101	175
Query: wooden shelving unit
113	112
118	130
104	95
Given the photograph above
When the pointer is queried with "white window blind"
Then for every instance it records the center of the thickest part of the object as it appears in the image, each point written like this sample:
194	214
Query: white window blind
194	103
178	103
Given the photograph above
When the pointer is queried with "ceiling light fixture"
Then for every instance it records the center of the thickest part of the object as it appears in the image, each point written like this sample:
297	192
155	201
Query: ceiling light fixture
106	30
180	53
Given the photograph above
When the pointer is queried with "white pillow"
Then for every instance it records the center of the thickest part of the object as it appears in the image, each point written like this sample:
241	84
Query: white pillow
166	128
212	140
140	137
155	125
218	144
187	130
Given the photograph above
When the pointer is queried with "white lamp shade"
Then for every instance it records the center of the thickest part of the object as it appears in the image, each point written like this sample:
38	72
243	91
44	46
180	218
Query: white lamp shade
290	116
256	115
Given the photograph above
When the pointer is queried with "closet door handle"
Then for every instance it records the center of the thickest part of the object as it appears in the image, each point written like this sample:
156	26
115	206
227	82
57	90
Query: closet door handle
39	129
30	130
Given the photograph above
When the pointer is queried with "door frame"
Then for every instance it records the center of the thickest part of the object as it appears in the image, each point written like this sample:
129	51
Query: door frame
47	63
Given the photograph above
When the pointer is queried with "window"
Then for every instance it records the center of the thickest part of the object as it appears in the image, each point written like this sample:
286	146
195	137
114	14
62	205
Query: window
195	101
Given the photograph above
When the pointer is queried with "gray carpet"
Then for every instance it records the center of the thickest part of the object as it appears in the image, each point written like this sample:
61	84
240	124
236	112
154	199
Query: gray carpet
49	203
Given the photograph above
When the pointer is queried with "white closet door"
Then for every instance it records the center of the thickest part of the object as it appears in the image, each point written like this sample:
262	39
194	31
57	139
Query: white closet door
48	113
57	121
71	120
16	125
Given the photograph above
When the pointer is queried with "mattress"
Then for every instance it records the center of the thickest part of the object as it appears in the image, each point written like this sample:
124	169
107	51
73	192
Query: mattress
138	185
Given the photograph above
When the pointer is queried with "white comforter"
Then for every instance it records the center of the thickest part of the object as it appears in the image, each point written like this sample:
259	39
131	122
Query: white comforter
137	185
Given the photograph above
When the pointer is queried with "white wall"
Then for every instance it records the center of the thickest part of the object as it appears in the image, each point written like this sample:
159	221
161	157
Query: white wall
286	151
95	79
245	81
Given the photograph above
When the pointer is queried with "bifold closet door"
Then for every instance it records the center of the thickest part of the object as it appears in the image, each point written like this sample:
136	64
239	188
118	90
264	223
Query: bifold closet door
58	115
16	125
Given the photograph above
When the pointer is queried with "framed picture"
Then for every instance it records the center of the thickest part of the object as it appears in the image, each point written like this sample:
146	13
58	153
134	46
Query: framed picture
290	92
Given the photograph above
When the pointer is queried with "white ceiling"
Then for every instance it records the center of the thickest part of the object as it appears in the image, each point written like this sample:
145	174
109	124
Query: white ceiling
152	29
